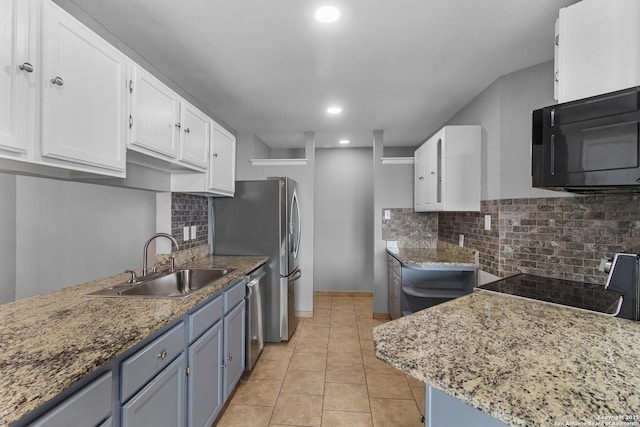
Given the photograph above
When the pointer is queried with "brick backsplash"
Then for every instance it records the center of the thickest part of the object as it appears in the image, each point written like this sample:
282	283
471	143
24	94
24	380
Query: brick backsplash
188	210
409	228
555	237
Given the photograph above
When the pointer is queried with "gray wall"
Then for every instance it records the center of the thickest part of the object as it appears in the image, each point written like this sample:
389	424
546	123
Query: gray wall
504	111
68	233
393	188
343	214
7	237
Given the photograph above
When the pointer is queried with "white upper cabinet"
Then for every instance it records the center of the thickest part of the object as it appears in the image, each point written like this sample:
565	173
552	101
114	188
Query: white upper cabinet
195	136
155	115
83	96
164	125
18	81
598	48
222	168
447	171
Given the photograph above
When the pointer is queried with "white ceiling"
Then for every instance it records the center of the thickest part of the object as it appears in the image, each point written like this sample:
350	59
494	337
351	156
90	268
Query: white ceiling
266	66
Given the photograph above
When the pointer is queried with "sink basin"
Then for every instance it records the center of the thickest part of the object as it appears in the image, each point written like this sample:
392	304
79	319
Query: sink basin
177	284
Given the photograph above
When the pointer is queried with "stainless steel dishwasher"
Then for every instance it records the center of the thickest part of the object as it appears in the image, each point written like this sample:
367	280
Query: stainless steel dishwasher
255	316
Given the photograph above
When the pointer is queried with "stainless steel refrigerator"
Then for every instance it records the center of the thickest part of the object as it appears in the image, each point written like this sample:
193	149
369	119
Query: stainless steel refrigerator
264	219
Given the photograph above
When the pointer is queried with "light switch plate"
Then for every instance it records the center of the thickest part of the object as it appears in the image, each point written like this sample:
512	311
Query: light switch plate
185	232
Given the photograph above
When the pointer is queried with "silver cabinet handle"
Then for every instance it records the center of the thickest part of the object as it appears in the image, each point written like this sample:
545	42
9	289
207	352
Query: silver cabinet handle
223	366
26	67
229	357
163	355
57	81
187	130
214	155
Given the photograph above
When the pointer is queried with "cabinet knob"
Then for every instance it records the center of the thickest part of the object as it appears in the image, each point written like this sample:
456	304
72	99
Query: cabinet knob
420	178
433	173
26	67
214	155
223	366
163	355
57	81
187	130
229	357
178	125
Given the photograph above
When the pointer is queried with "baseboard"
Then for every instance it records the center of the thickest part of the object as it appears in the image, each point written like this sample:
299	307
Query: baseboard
381	316
355	294
304	314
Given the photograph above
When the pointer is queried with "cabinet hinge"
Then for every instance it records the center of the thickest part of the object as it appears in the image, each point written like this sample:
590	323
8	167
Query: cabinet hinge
130	121
187	371
130	86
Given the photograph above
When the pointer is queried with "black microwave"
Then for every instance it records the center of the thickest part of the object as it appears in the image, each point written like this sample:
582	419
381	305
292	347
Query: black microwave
588	145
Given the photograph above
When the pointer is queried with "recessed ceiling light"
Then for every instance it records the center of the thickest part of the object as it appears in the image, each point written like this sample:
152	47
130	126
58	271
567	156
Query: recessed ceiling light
327	14
334	110
344	141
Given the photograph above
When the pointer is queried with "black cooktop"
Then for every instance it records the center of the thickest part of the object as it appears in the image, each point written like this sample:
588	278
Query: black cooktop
585	296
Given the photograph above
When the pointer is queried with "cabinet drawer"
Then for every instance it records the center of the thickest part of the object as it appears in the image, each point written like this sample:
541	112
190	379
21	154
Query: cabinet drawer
394	265
89	406
203	318
138	369
234	295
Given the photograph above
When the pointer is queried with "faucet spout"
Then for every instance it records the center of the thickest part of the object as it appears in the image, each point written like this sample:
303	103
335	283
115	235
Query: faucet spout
174	242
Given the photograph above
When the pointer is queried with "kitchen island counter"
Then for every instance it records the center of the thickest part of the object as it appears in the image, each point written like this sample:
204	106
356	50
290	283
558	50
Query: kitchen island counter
49	342
524	363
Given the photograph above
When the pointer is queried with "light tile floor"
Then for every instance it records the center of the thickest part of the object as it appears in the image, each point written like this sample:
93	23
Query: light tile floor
327	376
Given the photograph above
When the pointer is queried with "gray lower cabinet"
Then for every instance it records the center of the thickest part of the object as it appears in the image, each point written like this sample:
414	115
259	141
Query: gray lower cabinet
413	288
90	406
204	382
442	410
234	348
161	402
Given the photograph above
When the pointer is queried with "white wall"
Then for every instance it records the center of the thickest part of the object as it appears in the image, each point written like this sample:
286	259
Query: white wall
343	220
69	233
7	238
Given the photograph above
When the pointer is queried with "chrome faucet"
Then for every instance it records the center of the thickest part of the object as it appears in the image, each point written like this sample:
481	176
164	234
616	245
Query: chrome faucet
146	248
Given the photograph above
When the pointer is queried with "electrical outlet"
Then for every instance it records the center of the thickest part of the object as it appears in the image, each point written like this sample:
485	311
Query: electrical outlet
193	232
461	241
185	232
487	222
387	214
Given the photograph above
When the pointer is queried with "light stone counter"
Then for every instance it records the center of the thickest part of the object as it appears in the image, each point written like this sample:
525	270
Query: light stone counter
50	341
443	256
525	363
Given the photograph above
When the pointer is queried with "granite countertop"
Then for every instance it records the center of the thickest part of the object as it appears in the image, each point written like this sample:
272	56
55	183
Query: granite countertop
50	341
442	255
525	363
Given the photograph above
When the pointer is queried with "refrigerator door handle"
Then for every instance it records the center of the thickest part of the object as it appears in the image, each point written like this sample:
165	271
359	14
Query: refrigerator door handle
296	275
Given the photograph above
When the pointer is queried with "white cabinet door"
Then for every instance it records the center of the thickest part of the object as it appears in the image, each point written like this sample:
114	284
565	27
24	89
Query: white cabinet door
83	95
433	172
419	179
155	109
598	48
222	167
447	170
195	135
18	82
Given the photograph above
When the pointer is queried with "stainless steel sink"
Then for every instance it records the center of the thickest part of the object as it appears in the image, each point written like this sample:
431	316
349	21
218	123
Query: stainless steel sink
177	284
